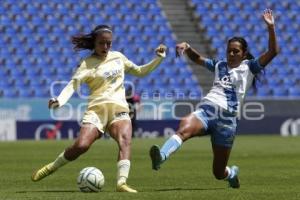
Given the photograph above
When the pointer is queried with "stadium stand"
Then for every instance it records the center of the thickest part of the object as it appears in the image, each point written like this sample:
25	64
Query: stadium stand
226	18
36	48
35	41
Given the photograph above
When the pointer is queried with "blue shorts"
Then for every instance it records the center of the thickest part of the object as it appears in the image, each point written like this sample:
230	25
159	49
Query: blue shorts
218	123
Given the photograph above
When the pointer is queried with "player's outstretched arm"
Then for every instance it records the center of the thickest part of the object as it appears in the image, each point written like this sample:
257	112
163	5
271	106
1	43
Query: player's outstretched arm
80	75
143	70
194	55
64	96
273	49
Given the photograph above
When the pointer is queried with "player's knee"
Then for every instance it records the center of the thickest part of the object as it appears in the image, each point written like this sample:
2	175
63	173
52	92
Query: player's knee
184	131
185	120
183	135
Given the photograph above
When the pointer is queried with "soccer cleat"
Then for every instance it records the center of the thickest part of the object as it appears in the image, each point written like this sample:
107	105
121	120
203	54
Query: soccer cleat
125	188
41	173
233	179
155	157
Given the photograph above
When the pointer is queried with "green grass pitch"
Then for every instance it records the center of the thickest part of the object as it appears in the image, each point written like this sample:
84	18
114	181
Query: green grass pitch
269	169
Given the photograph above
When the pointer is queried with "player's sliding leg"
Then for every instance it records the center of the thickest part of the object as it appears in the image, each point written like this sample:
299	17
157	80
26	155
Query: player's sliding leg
158	156
121	131
88	134
220	168
189	127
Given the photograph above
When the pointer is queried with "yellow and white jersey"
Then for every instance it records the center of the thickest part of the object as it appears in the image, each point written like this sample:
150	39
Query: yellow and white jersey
105	78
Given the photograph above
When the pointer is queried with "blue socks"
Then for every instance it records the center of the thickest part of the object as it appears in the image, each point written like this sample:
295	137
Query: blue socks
170	146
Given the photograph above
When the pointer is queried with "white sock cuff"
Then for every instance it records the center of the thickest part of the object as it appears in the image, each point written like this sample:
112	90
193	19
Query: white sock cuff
123	171
177	138
228	172
123	162
63	157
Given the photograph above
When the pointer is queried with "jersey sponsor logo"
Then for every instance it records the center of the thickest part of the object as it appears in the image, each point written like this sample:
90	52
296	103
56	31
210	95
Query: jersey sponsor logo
111	69
225	82
111	73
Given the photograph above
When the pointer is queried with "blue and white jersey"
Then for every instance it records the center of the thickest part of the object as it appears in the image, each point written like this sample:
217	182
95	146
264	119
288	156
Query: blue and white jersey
231	84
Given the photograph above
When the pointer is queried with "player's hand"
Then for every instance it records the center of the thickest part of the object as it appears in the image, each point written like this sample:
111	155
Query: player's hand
268	17
53	103
161	50
180	48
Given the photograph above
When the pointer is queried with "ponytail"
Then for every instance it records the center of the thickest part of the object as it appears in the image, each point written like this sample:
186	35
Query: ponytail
87	41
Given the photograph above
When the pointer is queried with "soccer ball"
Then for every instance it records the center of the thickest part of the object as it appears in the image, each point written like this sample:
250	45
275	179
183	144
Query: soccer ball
90	179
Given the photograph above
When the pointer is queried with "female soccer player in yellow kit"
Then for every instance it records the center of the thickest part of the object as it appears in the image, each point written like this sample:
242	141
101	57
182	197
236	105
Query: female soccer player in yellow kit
103	71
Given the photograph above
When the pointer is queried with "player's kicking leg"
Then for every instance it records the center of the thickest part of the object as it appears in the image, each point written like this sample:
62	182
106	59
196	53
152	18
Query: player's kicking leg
49	168
42	173
88	134
158	156
189	127
155	156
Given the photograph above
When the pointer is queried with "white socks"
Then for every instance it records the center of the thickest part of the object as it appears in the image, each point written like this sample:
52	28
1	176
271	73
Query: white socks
123	171
228	173
123	167
58	162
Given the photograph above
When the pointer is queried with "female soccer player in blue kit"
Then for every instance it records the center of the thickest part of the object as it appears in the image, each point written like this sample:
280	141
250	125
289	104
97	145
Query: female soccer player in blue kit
217	115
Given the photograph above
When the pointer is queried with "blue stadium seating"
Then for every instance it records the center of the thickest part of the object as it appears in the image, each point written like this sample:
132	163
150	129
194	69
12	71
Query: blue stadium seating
226	18
294	91
43	29
35	41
